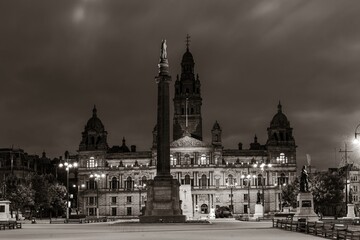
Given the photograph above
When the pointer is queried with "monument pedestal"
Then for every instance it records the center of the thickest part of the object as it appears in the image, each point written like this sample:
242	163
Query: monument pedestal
305	207
259	210
350	211
5	210
163	202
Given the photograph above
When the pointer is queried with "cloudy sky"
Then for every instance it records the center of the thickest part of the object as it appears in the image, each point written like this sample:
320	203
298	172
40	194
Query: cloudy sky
59	58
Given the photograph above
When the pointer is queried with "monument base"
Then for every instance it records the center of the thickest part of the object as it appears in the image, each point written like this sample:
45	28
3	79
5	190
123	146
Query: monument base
350	211
259	211
163	201
305	207
5	210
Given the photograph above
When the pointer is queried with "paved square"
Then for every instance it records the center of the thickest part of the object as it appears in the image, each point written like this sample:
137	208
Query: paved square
219	229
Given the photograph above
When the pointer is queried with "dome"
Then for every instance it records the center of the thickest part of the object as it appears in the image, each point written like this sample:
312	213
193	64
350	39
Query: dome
94	122
187	58
280	119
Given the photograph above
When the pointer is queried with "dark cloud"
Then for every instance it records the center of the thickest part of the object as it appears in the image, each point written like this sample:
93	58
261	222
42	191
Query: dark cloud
58	58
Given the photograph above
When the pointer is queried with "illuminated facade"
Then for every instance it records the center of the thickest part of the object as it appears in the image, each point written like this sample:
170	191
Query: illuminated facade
217	176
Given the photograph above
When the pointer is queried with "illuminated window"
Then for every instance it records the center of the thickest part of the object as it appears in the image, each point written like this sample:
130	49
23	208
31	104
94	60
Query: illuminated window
203	159
173	161
282	158
91	162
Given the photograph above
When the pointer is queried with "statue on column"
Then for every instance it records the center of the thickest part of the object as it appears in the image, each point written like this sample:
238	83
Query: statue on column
304	182
163	53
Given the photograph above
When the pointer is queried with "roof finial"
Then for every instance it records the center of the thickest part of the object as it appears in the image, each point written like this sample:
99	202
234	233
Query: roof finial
187	42
123	141
279	106
255	139
94	111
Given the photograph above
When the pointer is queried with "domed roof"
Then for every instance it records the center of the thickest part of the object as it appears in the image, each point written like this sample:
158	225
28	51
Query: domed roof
187	57
94	123
280	119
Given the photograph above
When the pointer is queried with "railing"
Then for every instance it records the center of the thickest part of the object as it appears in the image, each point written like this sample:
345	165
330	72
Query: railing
10	225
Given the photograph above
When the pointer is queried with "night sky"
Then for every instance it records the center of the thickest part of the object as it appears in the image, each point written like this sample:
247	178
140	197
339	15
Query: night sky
59	58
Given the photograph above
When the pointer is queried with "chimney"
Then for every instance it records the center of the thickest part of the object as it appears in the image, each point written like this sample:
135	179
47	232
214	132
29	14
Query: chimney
133	148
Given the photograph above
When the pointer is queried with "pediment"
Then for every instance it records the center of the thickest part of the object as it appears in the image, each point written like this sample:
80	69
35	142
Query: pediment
187	141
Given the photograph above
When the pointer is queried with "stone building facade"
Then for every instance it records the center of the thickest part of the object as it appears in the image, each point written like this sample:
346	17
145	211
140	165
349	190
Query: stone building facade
113	178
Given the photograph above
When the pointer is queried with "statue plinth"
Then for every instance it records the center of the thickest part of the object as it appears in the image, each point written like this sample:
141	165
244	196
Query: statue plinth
350	211
5	210
163	201
259	210
305	207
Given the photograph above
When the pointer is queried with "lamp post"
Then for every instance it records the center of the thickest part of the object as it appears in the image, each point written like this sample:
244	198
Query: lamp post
67	167
97	178
77	195
140	187
262	167
248	180
231	185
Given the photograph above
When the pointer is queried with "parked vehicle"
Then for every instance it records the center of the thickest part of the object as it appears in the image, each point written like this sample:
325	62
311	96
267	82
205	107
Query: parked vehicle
223	212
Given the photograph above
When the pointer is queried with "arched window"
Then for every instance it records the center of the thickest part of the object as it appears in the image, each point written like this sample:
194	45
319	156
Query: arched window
92	183
260	180
282	159
283	180
173	160
187	180
143	180
204	209
230	180
91	162
187	159
128	184
203	181
114	183
203	159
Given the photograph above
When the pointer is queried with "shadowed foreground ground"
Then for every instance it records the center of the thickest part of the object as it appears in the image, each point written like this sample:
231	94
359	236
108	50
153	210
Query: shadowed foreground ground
219	229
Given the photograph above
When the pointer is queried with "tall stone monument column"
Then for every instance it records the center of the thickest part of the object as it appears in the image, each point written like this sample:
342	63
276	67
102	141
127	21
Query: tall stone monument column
163	200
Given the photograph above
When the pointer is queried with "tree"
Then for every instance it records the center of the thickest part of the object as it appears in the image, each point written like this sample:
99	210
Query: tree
328	191
289	194
20	194
57	196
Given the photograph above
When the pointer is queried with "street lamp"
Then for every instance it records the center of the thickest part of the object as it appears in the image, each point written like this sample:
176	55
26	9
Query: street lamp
140	187
231	185
248	180
97	178
78	187
67	167
262	167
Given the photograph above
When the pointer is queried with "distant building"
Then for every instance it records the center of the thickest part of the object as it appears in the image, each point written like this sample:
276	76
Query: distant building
212	171
15	161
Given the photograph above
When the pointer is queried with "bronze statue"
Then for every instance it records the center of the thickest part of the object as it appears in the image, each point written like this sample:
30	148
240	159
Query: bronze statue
350	195
258	200
304	182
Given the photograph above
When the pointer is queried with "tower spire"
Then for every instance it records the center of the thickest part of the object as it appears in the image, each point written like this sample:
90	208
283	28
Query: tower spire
279	107
187	42
94	111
